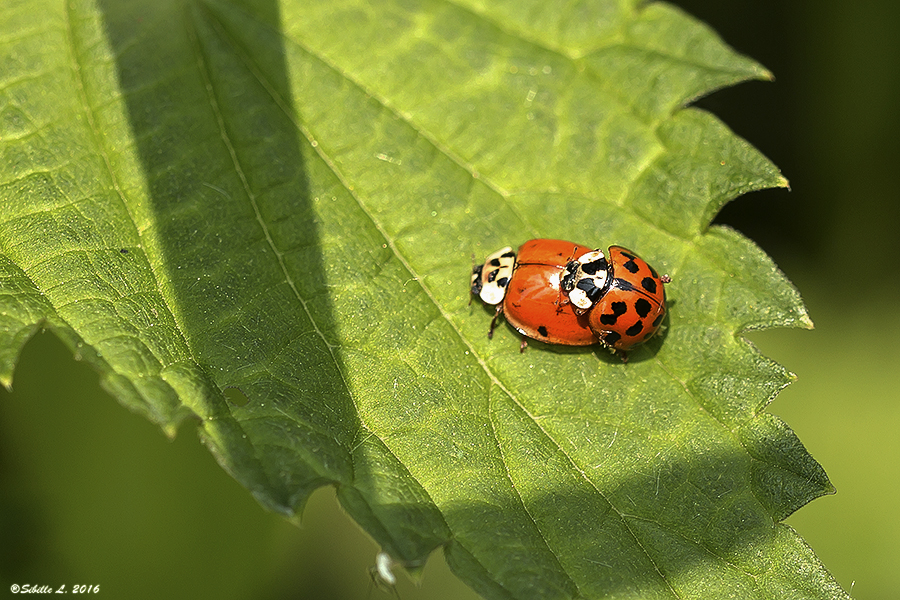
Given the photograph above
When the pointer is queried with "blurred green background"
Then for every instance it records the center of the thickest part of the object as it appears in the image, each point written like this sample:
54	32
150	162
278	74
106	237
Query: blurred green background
831	123
92	494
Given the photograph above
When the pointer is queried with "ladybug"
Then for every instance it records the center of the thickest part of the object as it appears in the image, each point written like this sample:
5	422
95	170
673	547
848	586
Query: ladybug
564	293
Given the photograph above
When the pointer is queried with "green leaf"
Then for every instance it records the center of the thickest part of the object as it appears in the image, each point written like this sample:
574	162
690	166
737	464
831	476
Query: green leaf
200	196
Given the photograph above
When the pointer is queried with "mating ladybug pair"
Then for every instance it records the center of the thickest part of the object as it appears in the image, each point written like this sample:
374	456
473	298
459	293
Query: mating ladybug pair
565	293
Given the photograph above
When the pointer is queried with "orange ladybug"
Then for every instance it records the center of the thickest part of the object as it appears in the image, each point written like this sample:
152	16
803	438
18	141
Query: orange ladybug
564	293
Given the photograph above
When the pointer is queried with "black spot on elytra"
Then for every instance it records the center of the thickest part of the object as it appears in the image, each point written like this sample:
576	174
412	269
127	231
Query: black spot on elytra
631	266
642	306
635	329
618	309
658	319
611	338
649	284
542	330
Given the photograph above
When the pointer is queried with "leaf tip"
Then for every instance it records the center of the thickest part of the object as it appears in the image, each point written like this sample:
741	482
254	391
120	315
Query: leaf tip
806	322
170	430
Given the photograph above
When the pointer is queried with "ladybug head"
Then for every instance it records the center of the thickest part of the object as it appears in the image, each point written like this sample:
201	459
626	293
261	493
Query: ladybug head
586	278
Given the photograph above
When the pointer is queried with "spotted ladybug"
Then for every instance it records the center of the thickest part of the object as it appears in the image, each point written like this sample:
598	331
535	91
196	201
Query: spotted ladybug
565	293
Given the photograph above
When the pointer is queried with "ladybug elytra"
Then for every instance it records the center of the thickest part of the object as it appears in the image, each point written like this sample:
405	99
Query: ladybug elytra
565	293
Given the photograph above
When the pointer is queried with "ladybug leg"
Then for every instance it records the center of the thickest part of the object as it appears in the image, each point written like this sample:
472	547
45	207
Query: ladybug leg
562	301
523	345
494	321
